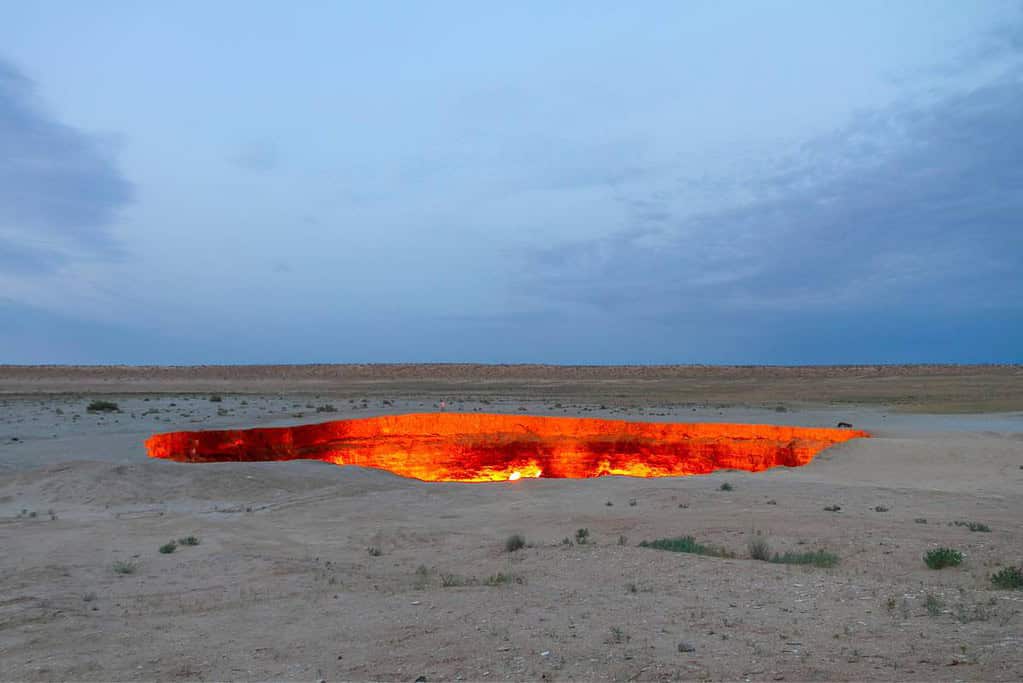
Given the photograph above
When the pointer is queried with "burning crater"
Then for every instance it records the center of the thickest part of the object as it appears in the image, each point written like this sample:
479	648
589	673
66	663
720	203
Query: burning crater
476	447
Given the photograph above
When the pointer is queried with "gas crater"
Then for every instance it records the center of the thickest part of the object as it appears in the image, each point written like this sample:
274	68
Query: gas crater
480	447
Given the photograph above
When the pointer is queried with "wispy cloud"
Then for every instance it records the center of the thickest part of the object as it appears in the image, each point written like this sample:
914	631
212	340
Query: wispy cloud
896	207
58	185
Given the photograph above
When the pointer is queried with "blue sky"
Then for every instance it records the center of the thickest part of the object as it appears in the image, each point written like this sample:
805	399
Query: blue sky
748	182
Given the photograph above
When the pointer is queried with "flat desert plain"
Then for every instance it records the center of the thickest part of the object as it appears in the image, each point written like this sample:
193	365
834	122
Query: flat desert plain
307	571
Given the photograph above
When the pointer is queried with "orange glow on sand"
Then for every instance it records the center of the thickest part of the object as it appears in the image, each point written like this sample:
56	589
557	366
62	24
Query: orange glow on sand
478	447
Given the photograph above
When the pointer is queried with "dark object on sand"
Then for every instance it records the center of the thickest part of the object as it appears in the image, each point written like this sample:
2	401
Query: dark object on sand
844	425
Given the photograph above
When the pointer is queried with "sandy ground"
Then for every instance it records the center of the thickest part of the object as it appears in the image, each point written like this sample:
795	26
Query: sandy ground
283	584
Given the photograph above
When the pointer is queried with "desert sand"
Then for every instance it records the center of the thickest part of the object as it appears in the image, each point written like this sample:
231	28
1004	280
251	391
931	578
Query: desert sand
308	571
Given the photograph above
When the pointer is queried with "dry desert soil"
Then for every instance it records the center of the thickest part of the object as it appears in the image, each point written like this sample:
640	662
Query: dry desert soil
308	571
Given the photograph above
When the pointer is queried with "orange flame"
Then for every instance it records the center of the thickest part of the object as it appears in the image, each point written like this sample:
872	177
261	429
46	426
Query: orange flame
478	447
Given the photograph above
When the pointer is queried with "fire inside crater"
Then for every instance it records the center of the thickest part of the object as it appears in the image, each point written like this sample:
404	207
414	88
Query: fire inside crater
479	447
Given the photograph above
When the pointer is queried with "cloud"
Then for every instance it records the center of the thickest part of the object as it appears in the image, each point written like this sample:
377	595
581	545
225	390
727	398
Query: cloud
57	184
917	205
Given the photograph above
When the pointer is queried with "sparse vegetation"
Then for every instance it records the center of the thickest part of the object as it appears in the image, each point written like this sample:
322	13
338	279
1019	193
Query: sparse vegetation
326	408
973	526
216	398
189	540
632	502
618	636
726	487
939	558
759	549
374	551
124	567
422	577
686	544
832	508
169	547
623	539
582	536
816	558
933	604
454	580
500	579
103	407
880	508
920	520
1008	578
514	542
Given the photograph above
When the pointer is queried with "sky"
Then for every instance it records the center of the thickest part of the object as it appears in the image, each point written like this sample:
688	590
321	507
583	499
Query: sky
575	182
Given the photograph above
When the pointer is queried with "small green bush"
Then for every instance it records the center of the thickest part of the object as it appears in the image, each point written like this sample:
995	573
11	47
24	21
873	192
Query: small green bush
501	579
168	548
726	487
759	549
1008	578
515	542
685	544
103	407
453	580
582	536
933	604
817	558
189	540
124	567
939	558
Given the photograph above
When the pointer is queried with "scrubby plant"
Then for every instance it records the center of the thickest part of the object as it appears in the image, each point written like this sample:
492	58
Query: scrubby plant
103	407
817	558
326	408
939	558
514	542
726	487
501	579
1008	578
374	551
216	398
618	635
124	567
685	544
169	547
933	604
189	540
453	580
582	536
759	549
